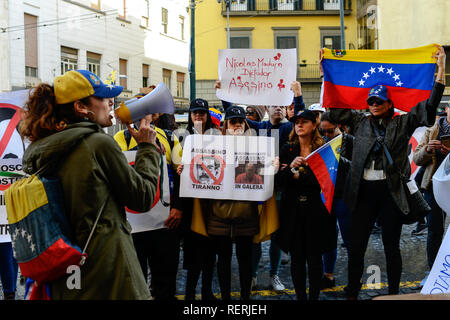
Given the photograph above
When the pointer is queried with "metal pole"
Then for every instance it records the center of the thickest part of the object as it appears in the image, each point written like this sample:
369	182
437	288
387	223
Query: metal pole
228	23
341	13
192	55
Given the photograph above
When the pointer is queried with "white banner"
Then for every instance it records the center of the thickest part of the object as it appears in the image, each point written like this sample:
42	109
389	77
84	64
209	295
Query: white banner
10	172
438	280
257	76
228	167
154	218
11	147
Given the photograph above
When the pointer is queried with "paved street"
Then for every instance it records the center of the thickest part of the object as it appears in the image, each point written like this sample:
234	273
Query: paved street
413	250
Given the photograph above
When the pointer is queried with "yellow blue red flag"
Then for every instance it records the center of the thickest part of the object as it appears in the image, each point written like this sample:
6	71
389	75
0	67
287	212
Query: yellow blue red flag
324	164
349	74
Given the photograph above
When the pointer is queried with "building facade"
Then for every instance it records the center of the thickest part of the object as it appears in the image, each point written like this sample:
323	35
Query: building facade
142	42
307	25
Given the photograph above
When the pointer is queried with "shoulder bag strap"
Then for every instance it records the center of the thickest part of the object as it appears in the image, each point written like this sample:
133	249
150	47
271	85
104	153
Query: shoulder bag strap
83	259
380	139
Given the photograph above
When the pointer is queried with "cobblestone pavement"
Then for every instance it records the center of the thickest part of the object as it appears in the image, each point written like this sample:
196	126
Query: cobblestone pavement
413	249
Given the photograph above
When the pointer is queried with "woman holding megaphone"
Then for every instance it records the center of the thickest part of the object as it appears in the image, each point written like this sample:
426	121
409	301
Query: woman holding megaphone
64	124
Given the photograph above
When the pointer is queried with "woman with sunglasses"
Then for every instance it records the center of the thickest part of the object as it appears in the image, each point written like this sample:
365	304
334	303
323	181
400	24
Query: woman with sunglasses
306	230
376	187
199	252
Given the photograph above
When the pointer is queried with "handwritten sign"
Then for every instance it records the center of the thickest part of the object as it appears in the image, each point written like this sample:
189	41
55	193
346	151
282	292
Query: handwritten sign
257	76
228	167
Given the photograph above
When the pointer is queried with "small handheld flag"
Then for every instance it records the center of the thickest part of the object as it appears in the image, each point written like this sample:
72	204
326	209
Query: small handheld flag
324	164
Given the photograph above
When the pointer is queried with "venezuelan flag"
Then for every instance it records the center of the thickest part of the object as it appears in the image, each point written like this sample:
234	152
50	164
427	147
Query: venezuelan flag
39	229
349	74
324	164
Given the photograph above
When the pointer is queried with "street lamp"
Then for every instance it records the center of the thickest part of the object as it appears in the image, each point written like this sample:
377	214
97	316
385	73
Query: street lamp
227	4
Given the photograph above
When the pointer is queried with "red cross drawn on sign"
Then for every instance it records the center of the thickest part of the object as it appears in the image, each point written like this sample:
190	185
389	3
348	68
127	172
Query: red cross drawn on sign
198	160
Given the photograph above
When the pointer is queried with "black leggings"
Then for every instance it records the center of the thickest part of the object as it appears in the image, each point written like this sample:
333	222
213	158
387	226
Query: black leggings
374	201
224	247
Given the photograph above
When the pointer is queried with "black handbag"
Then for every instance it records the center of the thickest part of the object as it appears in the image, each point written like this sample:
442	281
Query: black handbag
418	207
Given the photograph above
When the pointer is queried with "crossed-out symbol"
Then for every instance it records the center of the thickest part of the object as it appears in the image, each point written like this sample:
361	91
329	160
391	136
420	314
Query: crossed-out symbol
205	169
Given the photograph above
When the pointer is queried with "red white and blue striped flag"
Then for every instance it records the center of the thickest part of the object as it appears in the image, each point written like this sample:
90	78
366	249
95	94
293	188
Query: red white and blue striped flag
349	74
324	164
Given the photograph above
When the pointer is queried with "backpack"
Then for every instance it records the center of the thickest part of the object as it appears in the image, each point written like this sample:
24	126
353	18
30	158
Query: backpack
39	228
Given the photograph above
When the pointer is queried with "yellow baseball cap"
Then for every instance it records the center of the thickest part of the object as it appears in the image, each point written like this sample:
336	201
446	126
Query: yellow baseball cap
78	84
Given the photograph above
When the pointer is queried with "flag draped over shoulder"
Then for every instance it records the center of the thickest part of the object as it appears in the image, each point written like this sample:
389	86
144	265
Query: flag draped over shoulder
324	164
349	74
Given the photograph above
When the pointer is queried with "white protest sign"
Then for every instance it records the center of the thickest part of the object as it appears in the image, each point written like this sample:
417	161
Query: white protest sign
228	167
10	172
154	218
257	76
441	185
438	280
11	103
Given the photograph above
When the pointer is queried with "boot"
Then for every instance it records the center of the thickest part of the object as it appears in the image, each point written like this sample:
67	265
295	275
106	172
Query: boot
9	296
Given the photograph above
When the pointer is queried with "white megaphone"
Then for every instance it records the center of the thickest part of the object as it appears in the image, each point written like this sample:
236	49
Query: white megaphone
158	101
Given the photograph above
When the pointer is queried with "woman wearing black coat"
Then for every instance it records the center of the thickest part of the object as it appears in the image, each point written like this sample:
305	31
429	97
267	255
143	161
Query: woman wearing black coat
306	228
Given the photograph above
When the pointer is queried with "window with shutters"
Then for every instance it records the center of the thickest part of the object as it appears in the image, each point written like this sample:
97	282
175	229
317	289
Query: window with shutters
93	62
167	77
181	27
145	13
165	19
123	75
31	46
69	59
145	75
180	84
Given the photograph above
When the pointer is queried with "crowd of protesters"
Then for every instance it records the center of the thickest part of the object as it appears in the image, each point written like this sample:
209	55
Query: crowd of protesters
70	115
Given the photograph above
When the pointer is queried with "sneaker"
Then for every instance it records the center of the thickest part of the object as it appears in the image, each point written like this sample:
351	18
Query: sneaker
253	285
421	227
327	283
276	283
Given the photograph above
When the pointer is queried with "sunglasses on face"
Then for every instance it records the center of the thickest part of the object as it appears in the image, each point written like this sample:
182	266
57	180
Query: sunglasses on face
199	112
325	131
251	113
236	120
377	101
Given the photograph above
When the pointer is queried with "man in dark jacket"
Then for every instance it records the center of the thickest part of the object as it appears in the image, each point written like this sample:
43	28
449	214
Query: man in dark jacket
375	188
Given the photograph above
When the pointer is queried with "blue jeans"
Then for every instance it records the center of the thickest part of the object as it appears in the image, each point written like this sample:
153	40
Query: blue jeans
8	268
275	258
343	215
436	225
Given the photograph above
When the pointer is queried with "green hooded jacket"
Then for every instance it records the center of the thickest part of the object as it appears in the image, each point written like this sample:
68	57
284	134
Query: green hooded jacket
92	169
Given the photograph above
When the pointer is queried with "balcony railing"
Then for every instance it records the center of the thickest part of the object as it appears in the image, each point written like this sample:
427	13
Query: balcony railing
308	72
285	6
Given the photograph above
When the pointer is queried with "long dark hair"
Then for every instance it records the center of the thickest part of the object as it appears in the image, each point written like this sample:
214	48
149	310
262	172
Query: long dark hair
43	117
209	124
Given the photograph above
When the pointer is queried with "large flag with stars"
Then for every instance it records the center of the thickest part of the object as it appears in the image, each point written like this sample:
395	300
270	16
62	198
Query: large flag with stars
349	74
324	164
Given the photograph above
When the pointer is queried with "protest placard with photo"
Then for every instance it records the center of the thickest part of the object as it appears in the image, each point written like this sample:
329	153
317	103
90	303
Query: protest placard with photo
228	167
257	76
